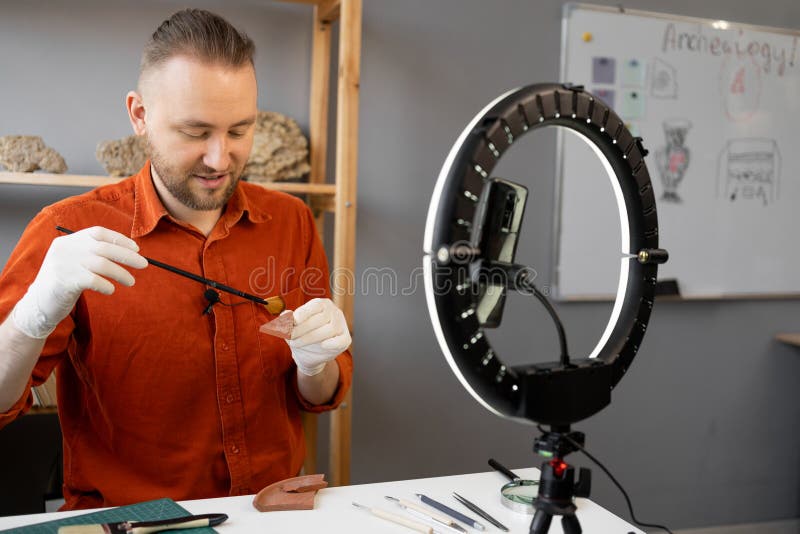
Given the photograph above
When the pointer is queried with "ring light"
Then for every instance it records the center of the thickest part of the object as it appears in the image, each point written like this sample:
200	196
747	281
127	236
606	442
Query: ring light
470	242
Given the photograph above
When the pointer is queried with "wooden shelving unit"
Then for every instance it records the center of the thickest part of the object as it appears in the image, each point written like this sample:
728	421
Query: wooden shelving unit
74	180
789	339
338	197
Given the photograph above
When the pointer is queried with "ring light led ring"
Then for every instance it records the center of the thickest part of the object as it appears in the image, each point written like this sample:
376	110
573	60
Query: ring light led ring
546	393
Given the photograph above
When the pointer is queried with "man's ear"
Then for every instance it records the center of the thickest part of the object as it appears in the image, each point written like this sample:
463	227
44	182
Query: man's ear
136	112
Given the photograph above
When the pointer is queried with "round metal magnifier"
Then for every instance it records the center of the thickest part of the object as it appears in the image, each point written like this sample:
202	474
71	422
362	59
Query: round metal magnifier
518	494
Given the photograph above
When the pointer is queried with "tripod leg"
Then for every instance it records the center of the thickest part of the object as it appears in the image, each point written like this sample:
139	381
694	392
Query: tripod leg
541	522
570	524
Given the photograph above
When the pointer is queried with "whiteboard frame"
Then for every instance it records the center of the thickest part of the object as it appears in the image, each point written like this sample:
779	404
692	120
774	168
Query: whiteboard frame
567	10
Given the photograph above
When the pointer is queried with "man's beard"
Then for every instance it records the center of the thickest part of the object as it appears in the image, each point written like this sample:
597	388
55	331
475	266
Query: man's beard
178	182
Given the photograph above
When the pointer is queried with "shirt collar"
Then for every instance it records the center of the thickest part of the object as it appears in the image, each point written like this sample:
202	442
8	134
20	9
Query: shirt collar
148	209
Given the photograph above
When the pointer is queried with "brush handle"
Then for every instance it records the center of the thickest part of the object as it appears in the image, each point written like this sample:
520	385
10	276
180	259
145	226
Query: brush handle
191	523
497	466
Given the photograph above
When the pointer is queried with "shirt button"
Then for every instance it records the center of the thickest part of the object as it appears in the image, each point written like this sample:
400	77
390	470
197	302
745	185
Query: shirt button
229	398
234	449
224	346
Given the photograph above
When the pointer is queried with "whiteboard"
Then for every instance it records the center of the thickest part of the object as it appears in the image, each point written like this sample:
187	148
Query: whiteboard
718	105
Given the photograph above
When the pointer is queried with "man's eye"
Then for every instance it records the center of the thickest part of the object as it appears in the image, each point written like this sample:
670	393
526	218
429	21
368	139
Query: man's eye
193	135
236	134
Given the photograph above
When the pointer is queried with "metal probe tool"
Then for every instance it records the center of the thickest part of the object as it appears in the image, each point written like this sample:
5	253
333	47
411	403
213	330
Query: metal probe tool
441	520
477	510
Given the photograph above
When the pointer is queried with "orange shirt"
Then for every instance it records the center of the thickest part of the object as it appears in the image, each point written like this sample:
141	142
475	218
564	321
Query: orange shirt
155	398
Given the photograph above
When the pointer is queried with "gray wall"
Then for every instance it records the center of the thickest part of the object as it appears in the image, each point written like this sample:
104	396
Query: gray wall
703	429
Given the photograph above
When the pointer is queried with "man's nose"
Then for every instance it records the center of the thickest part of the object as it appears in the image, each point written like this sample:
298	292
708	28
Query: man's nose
217	156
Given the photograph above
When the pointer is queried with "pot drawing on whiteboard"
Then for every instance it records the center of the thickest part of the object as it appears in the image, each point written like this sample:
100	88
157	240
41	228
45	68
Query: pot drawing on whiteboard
740	86
749	171
672	160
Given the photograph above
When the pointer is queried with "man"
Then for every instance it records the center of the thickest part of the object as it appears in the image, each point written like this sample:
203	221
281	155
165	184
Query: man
156	397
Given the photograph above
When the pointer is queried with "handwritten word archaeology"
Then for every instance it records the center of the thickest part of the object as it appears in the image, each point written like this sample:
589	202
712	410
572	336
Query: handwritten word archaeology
733	43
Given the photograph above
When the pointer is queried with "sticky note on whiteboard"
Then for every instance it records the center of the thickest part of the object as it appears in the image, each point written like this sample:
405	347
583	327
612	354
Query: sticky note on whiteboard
633	73
606	95
631	105
604	70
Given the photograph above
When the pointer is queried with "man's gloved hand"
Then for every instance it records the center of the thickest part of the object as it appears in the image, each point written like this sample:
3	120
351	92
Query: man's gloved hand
319	335
75	262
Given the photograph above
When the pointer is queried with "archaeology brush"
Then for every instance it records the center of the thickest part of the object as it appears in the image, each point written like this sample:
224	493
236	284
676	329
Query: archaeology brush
274	305
146	527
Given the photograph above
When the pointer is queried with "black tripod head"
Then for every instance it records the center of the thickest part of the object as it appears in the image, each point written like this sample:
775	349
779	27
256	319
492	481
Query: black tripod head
557	484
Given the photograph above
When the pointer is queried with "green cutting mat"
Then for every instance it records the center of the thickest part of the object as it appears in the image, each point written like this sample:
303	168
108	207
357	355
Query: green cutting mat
144	511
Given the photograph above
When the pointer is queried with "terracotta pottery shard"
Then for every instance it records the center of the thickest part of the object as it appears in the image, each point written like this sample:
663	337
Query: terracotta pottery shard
291	494
281	326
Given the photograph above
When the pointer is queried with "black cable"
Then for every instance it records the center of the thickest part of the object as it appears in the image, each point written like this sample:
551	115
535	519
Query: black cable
213	297
562	335
614	480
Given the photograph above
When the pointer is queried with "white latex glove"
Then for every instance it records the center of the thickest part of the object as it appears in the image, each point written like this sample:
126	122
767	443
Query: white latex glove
73	263
320	334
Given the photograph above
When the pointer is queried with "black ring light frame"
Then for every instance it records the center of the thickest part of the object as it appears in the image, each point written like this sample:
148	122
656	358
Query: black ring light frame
553	393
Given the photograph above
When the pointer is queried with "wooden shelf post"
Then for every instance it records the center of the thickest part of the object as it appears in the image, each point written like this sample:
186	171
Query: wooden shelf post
348	12
345	230
318	151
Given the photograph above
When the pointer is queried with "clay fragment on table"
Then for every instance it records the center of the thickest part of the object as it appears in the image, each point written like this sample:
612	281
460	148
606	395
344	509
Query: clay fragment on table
281	326
290	494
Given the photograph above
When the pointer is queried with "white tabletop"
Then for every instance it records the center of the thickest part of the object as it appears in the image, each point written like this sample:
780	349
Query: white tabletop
335	514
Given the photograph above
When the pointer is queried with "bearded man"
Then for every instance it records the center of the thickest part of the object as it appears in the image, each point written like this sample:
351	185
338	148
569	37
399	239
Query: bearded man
161	393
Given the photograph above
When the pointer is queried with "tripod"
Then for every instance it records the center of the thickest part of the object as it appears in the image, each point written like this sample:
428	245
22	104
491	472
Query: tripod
557	484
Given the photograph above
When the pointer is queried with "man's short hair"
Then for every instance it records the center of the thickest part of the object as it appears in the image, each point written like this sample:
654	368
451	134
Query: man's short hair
199	34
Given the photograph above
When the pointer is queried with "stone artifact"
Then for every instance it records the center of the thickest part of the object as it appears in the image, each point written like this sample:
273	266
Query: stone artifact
27	153
280	150
281	326
291	494
122	157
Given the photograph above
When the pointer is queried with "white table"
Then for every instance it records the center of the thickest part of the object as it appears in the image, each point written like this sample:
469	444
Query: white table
335	514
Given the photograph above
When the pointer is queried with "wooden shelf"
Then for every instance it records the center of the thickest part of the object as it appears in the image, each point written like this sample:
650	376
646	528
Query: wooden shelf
74	180
66	180
789	339
340	197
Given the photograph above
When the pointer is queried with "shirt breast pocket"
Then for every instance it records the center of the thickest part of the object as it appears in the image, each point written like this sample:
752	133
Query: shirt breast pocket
276	357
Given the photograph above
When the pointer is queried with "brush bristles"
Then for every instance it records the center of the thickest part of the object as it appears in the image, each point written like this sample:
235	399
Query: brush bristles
275	305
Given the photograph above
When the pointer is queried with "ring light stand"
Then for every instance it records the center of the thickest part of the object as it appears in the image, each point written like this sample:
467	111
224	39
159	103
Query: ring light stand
471	236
